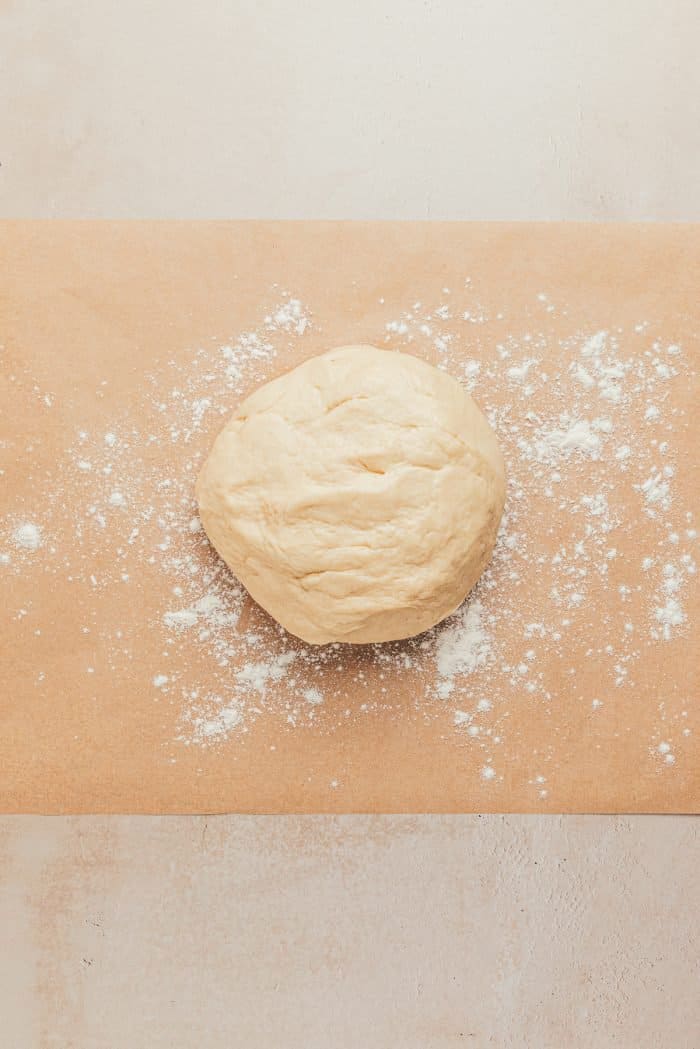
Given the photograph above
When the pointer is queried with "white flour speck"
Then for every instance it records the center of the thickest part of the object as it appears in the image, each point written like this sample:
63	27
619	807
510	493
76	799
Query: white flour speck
28	536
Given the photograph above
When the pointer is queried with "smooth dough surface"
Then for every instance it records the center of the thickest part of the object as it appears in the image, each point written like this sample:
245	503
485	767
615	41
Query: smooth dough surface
357	497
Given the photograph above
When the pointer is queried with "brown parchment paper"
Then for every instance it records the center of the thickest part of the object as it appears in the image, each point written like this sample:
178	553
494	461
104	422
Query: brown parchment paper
89	310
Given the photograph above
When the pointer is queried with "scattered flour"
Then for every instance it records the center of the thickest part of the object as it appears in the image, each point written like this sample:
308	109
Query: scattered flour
593	564
181	619
256	677
218	724
463	644
571	437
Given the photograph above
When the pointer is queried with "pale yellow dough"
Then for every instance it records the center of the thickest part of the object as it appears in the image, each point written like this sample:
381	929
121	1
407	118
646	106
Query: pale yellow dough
357	497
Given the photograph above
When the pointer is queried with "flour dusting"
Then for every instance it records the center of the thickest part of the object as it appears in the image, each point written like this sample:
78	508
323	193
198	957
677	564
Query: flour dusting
462	645
593	568
27	536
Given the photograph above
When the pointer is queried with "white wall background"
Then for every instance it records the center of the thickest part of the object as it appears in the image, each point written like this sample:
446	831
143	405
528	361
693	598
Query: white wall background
420	109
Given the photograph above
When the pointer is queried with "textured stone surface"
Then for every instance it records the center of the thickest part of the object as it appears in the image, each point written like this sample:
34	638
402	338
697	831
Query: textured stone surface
379	932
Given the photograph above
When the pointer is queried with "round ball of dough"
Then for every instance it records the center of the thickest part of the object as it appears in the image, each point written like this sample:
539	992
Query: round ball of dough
357	497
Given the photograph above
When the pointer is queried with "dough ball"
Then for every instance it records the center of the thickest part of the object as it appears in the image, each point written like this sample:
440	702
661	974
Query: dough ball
357	497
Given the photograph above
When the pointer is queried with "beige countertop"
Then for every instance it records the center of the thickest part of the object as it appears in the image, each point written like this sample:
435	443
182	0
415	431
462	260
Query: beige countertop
372	932
407	109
